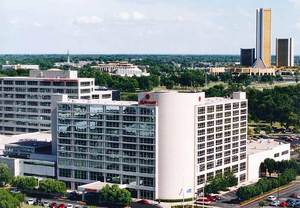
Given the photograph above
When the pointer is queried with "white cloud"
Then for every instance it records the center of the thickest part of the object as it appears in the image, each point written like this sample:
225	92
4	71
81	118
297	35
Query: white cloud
37	24
295	2
138	16
88	20
135	15
124	16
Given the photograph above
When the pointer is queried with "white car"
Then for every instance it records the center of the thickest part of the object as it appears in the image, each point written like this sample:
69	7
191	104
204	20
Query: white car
46	204
69	205
30	201
271	198
275	203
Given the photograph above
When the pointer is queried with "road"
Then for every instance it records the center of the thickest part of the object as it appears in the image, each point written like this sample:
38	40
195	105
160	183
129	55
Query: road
229	199
283	195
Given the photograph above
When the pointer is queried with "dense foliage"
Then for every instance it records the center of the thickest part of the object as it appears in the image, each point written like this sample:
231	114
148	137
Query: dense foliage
5	176
25	182
221	183
280	104
272	166
8	200
52	186
113	195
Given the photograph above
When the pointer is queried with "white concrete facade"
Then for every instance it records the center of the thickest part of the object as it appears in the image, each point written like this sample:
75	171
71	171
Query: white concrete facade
262	149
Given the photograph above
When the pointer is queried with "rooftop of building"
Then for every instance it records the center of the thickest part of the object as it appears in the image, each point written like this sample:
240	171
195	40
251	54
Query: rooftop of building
262	145
30	143
100	102
36	136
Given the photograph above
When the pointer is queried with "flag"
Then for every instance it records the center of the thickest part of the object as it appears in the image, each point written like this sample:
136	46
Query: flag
181	191
189	191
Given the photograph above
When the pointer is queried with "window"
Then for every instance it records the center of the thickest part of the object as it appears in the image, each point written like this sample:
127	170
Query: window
235	105
210	123
228	106
242	177
235	168
201	118
210	117
285	152
276	155
219	108
65	173
201	125
201	110
200	179
201	139
210	109
243	166
80	174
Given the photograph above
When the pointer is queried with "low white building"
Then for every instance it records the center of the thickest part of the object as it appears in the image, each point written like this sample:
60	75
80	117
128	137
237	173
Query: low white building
121	68
20	66
259	150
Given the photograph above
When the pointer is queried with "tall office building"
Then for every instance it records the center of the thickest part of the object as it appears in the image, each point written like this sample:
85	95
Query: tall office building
284	52
263	38
162	146
247	57
25	102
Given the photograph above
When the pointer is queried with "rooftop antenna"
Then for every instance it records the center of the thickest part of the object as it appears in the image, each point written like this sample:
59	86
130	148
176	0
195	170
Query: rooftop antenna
68	54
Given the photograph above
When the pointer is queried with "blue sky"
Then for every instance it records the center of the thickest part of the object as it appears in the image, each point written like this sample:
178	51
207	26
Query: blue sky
140	26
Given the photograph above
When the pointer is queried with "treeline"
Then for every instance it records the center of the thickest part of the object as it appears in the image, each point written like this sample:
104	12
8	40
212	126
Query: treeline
287	171
280	104
265	184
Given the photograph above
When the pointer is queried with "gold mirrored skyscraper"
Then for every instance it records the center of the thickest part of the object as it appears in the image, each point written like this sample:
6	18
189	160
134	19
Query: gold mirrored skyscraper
263	38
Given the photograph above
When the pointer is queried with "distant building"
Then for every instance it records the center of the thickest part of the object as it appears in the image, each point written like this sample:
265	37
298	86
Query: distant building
20	66
284	52
121	68
263	38
247	57
262	149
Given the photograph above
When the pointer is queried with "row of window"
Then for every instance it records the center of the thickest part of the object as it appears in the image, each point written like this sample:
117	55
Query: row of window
221	107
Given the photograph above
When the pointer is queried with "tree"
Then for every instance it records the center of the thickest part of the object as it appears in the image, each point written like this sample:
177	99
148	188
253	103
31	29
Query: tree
270	165
52	186
25	183
113	195
8	200
5	176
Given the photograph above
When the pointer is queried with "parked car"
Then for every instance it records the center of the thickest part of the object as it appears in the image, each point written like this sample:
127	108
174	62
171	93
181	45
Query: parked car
213	198
291	202
296	195
275	203
204	201
46	204
283	204
143	201
271	198
38	201
69	205
53	205
14	191
61	206
30	201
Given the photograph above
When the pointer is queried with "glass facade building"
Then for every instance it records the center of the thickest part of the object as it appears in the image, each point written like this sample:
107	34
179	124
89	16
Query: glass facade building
108	143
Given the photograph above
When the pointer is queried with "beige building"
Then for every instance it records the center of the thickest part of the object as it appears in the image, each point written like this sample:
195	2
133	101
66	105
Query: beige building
263	38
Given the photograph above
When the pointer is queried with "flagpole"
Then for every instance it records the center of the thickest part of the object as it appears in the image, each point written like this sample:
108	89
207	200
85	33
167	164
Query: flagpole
183	198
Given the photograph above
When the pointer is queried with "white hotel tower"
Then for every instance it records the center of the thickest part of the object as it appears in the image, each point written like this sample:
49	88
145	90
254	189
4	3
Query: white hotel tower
157	147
